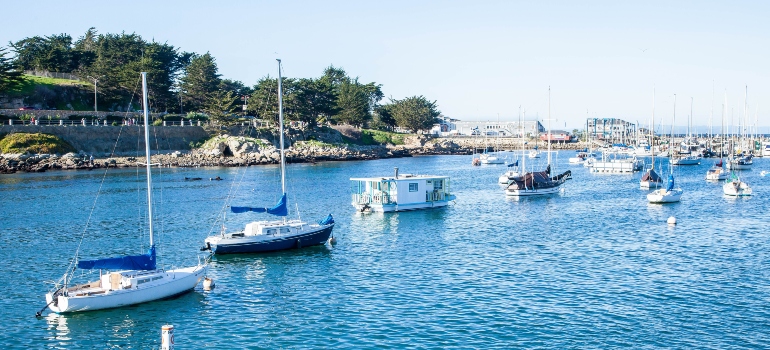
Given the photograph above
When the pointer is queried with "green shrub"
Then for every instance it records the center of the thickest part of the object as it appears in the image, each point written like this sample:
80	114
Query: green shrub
114	123
376	137
157	122
34	143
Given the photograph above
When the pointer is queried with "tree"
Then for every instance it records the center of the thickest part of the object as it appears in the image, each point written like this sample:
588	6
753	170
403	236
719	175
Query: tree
201	78
313	99
353	103
264	101
220	107
415	113
10	76
52	53
382	118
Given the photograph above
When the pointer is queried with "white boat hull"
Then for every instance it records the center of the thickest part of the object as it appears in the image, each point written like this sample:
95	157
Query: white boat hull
717	174
615	167
389	208
736	166
646	185
736	188
663	196
174	282
531	192
685	161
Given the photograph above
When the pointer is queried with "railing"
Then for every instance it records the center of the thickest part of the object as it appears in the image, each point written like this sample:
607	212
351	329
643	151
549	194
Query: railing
97	122
368	198
434	196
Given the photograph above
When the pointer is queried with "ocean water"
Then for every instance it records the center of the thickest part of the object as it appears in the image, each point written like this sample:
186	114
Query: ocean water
595	266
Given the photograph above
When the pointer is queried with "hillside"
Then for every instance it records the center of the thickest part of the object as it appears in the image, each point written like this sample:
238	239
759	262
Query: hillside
50	93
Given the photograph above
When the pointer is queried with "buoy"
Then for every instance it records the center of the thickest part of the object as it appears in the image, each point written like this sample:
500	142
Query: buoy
208	283
332	240
167	337
671	220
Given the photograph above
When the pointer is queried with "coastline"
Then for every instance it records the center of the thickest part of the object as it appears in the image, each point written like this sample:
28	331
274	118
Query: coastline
224	157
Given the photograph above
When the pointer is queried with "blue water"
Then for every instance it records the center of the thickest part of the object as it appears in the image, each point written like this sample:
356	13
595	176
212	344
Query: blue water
593	267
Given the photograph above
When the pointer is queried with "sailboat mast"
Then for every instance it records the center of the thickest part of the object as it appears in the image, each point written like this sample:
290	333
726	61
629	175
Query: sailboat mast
280	128
652	130
671	144
147	152
549	125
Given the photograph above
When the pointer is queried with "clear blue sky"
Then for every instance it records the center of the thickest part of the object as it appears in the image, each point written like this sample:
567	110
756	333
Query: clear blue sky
476	58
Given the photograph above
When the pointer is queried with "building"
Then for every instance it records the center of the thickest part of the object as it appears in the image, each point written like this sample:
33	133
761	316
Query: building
557	136
448	126
610	129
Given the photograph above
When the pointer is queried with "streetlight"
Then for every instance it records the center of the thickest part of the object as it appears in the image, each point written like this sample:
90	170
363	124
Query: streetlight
96	81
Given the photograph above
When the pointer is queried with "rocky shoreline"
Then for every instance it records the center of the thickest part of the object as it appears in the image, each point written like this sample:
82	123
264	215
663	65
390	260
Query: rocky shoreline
232	151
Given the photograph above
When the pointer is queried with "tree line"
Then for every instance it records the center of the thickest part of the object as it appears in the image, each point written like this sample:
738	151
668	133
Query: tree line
180	81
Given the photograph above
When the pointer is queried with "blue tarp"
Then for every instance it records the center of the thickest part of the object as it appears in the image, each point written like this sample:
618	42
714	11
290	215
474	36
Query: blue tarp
670	185
130	262
278	210
327	221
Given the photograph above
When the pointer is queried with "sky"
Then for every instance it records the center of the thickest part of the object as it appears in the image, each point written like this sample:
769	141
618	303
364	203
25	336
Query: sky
479	60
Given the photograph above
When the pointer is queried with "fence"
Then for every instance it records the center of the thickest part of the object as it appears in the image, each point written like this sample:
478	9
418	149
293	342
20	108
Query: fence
47	74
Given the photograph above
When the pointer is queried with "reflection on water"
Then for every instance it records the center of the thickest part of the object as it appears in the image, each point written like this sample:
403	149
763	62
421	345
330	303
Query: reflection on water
594	266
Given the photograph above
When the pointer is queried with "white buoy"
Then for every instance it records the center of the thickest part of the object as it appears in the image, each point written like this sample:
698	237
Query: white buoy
208	283
167	337
332	240
671	220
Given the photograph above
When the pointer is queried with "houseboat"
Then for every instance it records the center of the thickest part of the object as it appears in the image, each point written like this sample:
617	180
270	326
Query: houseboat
400	192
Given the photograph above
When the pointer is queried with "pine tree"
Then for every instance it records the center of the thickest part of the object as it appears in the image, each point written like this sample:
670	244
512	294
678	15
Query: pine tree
10	76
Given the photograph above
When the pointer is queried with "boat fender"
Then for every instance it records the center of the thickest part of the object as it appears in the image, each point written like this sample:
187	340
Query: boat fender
332	240
208	283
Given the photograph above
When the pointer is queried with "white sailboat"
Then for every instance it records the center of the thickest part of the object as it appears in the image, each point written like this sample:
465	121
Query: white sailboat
718	172
651	179
514	169
745	160
686	158
668	194
539	182
126	280
265	236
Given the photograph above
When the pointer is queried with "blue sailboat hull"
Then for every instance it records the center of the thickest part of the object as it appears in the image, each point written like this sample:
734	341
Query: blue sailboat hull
305	239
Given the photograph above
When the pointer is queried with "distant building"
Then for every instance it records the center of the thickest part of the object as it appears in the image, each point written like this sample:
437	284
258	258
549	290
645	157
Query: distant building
448	126
610	129
557	136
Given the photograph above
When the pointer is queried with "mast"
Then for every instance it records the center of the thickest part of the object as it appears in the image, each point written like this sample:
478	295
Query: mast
147	152
280	123
670	147
521	136
549	126
652	131
722	139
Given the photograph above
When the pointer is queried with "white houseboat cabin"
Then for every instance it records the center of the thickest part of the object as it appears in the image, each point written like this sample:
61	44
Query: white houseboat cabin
400	192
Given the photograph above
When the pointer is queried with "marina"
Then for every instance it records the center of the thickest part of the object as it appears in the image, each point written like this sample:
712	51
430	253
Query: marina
390	271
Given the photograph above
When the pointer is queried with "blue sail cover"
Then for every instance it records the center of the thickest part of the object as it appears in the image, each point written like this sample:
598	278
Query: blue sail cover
130	262
278	210
670	185
327	221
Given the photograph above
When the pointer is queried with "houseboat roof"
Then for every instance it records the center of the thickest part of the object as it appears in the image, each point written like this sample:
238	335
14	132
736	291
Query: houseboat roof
401	177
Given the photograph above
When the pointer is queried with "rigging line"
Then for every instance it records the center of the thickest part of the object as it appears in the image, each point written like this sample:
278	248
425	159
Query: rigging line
93	206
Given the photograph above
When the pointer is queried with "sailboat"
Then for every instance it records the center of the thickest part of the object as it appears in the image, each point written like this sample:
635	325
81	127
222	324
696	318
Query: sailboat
540	182
718	172
264	236
650	178
743	161
125	280
686	157
513	168
668	194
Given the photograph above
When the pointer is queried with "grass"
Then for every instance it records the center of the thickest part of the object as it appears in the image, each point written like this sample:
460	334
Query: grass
27	86
34	143
376	137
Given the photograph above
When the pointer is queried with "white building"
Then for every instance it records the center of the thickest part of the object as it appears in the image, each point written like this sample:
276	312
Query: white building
448	126
610	129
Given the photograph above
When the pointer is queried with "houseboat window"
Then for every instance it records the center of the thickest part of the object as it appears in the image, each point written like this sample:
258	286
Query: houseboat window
412	187
270	231
438	184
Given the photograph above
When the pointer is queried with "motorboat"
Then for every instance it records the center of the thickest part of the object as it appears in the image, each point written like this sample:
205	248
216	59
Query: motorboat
736	187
